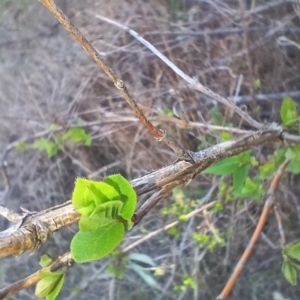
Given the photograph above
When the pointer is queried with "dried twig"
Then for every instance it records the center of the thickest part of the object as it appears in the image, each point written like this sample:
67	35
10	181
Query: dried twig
158	134
262	220
38	227
63	261
9	214
280	227
167	227
193	82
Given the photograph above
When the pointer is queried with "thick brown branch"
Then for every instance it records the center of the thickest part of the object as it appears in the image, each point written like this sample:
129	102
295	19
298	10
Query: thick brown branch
38	227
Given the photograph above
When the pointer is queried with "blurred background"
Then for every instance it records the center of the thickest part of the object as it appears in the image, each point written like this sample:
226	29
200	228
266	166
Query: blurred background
62	118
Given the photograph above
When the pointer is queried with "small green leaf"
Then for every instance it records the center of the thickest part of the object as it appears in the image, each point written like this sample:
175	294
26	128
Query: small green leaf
110	209
226	166
290	154
48	282
288	111
173	231
226	136
87	223
239	177
267	169
216	116
144	258
87	192
103	192
183	218
148	278
294	167
92	245
244	157
45	261
127	192
251	188
56	290
294	251
289	272
21	147
87	211
168	112
77	135
46	145
53	126
257	83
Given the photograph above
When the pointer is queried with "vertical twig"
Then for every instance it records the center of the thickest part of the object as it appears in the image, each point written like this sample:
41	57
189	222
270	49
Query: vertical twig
158	134
120	85
280	227
262	220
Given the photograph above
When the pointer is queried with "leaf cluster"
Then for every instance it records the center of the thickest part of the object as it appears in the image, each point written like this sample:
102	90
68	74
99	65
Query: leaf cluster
55	143
106	209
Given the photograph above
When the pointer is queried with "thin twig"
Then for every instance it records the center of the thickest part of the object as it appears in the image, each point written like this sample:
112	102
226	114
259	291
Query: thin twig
167	227
62	261
158	134
263	236
9	214
120	85
280	227
193	82
189	124
262	220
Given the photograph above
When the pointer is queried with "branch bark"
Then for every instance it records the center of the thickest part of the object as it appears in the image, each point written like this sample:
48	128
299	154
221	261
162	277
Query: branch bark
37	227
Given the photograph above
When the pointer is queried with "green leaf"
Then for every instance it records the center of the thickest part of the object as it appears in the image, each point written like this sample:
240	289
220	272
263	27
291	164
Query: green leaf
216	116
290	154
294	251
251	189
87	223
226	166
127	192
289	272
110	209
239	177
266	170
294	167
56	290
148	278
168	112
245	157
45	260
53	126
48	283
226	136
257	83
92	245
21	147
144	258
87	211
87	192
46	145
77	135
288	111
183	218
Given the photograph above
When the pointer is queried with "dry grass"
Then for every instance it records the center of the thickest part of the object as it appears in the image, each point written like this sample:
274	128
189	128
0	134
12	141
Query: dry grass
45	78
